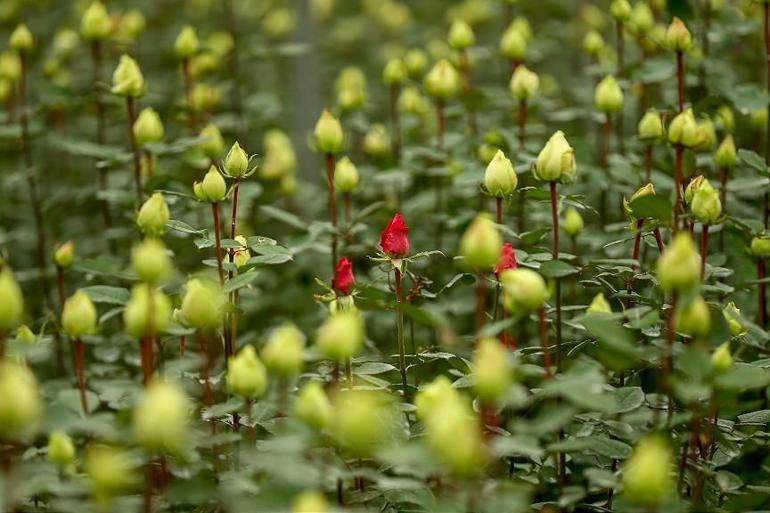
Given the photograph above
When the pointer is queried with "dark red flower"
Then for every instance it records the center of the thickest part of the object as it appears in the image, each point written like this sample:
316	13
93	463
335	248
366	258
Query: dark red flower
343	279
507	259
394	239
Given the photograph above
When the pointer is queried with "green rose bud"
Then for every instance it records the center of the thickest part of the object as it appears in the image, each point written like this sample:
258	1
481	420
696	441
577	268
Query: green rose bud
694	319
599	305
678	38
213	145
148	127
524	290
213	189
279	160
706	206
760	246
127	79
112	471
521	24
416	62
608	96
573	222
241	255
491	370
78	315
377	141
236	163
21	39
433	396
328	134
321	10
726	156
345	176
620	10
647	473
10	66
593	43
513	44
722	359
646	190
481	244
556	161
341	336
684	129
186	44
313	406
202	305
351	89
64	255
246	375
758	119
147	313
160	418
732	315
642	20
26	335
679	265
500	178
726	118
150	261
442	81
650	126
153	216
11	302
524	83
707	135
692	188
461	35
362	422
61	450
95	25
21	407
284	351
131	25
394	73
454	438
310	502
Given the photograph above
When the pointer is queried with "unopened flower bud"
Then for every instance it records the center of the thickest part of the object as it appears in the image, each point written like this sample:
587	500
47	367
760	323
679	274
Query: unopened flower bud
513	45
394	73
645	190
593	43
186	44
321	10
202	305
692	188
213	188
650	126
524	290
127	79
345	176
21	39
726	156
377	141
78	315
481	243
148	127
642	19
341	335
10	66
454	438
760	246
678	38
95	25
620	10
524	83
442	81
500	178
278	23
310	502
706	206
246	374
362	422
241	255
679	265
147	313
351	89
416	62
599	304
61	450
25	334
160	418
556	161
132	24
236	162
21	407
647	473
684	129
608	96
694	318
732	315
461	35
758	119
313	406
726	118
573	222
491	370
279	160
433	396
150	261
707	135
213	145
111	471
153	216
11	302
721	358
328	134
283	353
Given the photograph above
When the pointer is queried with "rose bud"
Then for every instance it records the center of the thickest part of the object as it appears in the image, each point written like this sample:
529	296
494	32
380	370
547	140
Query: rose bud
78	315
21	39
706	206
707	135
692	188
160	418
186	44
202	305
283	354
24	334
620	10
61	450
442	81
131	25
10	66
127	79
394	240
608	97
11	302
310	502
556	161
213	188
345	176
21	407
650	126
573	222
341	335
524	83
679	265
513	44
328	134
241	255
642	19
694	318
377	141
726	118
432	397
148	127
138	317
95	25
722	358
153	216
313	406
481	244
500	178
362	421
454	438
678	38
416	62
593	43
288	186
150	261
491	370
279	160
321	10
524	290
394	73
507	259
461	35
647	473
212	145
726	155
246	374
732	314
760	246
236	162
112	471
351	89
758	119
205	97
683	129
599	305
343	280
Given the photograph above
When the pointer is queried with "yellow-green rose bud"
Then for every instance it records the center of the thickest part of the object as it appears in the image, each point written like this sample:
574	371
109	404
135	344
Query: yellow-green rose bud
694	319
573	222
706	206
148	127
241	255
646	190
78	315
416	62
278	23
461	35
760	246
279	160
213	187
707	135
620	10
21	39
10	66
513	45
362	421
150	261
758	119
679	265
491	370
692	188
650	126
351	89
186	44
64	255
25	334
377	141
524	290
642	20
683	129
202	305
556	161
127	79
345	176
341	335
500	178
112	471
21	407
131	25
481	244
593	43
647	473
160	418
726	156
220	43
11	302
147	313
524	83
236	163
732	315
321	10
61	450
522	24
599	304
313	406
722	358
433	396
310	502
608	96
678	38
726	118
153	216
288	186
212	145
454	438
328	134
95	25
246	374
442	81
284	351
394	73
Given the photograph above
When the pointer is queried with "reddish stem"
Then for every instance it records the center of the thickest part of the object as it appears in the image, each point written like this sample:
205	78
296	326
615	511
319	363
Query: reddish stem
499	210
332	200
680	79
659	240
218	241
230	340
704	248
679	151
441	120
79	354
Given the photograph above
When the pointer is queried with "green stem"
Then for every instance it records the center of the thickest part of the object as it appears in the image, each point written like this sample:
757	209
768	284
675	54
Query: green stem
400	332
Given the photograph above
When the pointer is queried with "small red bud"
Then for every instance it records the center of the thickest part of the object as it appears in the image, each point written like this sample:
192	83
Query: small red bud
394	239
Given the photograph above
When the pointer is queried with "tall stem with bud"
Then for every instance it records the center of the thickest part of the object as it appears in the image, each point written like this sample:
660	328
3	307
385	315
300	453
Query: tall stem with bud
400	332
332	203
218	240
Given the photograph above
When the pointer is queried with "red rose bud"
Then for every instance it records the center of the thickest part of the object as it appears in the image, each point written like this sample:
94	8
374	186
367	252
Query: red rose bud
343	277
394	239
507	259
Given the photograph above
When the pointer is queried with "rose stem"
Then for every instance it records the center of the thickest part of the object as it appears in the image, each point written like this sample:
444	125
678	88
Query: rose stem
499	210
348	219
441	127
96	59
218	241
680	79
146	341
514	64
648	163
181	346
188	84
395	122
231	341
80	371
767	132
658	240
57	338
635	256
604	163
330	168
522	122
544	344
679	150
400	332
704	248
148	164
555	251
762	297
134	150
723	178
481	301
667	361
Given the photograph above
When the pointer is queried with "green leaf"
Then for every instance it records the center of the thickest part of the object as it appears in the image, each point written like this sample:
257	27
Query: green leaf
556	269
615	344
240	281
105	294
652	206
743	377
753	160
